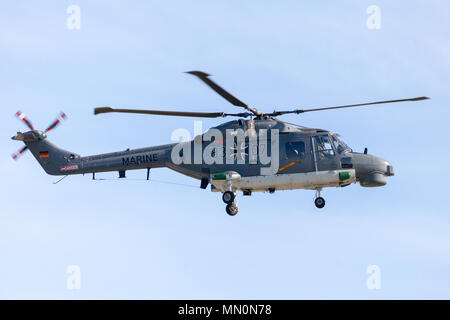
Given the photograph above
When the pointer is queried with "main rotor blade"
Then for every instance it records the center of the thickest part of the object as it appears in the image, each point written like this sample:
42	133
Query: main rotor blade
225	94
23	117
16	155
278	113
62	116
171	113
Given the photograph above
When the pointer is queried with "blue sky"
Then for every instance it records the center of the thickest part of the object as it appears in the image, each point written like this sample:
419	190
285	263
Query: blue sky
138	239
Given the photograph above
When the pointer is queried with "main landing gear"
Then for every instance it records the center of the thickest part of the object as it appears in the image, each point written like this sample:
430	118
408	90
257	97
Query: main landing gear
229	197
319	201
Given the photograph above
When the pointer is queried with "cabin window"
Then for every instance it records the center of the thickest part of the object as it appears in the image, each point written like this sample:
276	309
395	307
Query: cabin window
295	149
323	146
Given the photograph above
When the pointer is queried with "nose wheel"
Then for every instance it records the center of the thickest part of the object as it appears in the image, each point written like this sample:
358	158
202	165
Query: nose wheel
319	201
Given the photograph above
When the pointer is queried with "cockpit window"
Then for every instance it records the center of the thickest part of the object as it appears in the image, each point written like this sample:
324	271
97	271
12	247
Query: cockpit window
323	146
339	148
339	145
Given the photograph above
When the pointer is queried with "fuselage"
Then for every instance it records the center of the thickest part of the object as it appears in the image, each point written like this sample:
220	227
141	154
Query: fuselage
267	154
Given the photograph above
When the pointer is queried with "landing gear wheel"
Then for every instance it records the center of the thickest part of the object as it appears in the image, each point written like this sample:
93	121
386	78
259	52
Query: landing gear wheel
231	209
319	202
228	197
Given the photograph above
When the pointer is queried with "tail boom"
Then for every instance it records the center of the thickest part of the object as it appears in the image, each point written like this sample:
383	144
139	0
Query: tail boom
57	161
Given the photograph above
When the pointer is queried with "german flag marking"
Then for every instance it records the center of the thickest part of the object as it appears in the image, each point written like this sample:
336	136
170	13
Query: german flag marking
43	154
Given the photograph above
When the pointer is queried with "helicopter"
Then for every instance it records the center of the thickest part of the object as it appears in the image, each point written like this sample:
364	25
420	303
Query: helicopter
255	153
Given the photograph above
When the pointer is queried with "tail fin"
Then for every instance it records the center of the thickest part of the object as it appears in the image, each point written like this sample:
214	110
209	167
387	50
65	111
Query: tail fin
52	159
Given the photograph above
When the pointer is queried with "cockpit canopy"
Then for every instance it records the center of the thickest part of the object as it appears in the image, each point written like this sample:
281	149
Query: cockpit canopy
339	145
328	144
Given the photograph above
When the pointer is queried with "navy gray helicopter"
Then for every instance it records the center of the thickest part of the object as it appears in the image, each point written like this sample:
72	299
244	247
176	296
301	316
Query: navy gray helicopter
307	158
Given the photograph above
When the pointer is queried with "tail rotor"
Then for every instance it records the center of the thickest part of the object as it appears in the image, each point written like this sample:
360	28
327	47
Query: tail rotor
33	135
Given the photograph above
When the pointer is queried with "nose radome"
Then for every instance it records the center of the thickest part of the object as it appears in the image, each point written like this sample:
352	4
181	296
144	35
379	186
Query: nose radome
384	166
372	171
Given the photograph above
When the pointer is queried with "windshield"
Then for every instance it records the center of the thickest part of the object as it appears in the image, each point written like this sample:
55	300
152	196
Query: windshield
340	145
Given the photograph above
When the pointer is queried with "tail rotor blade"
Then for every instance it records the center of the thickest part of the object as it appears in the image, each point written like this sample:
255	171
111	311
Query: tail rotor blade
23	117
62	116
16	155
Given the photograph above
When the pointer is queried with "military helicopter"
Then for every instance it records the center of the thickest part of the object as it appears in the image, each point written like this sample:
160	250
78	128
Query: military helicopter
256	152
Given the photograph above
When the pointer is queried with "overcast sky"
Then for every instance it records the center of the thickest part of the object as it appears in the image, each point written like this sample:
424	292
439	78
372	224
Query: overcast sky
139	239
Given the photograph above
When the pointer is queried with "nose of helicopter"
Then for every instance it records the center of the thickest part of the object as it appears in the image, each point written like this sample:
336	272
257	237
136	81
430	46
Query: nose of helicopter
371	171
